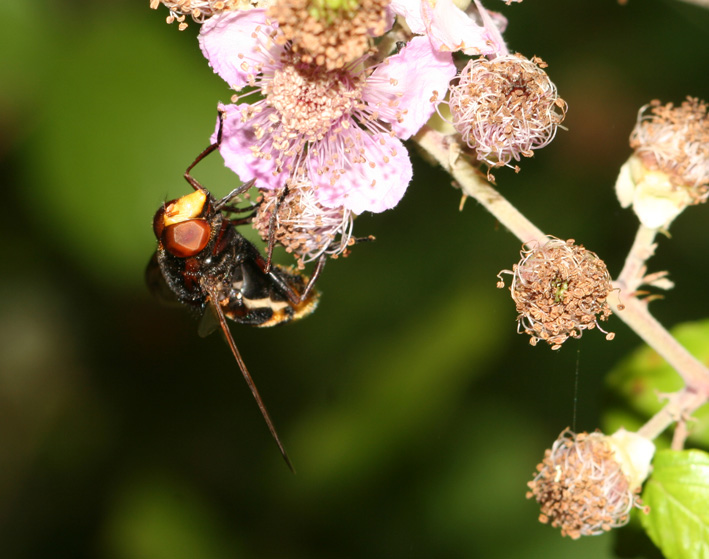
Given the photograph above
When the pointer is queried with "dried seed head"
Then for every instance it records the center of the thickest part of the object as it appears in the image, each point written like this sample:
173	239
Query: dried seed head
505	108
560	290
330	33
589	483
302	225
670	167
676	140
200	10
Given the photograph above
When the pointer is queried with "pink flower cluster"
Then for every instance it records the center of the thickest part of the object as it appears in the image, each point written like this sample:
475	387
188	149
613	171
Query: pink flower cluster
340	130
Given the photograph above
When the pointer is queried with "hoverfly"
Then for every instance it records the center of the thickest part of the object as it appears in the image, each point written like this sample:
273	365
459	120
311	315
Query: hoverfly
203	262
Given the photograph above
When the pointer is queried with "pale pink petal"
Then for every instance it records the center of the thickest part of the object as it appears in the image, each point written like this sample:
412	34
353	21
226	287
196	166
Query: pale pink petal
374	183
238	139
450	29
405	88
228	42
410	10
494	24
389	17
497	19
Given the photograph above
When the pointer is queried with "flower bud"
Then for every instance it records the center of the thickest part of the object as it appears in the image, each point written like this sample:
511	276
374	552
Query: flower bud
505	108
589	483
560	290
669	169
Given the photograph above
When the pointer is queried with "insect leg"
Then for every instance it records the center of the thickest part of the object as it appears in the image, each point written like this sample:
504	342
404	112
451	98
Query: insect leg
293	296
316	274
272	228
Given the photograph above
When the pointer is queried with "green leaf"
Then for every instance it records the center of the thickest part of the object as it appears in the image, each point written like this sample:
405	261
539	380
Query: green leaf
638	379
678	496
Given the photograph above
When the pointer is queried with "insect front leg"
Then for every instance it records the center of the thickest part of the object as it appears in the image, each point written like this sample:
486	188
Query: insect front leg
293	296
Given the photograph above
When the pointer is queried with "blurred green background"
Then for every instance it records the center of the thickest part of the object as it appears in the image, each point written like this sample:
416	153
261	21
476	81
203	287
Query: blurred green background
410	407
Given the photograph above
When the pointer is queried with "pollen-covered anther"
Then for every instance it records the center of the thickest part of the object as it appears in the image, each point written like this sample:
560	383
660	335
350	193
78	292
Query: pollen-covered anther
505	108
560	289
307	103
330	33
588	483
201	10
302	225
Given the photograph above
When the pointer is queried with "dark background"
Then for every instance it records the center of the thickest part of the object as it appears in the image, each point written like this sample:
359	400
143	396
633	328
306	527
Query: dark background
412	410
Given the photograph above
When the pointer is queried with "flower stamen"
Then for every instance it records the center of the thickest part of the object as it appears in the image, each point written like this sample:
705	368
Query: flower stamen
330	33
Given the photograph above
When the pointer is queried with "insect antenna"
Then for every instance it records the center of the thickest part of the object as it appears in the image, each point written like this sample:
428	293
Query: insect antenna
188	177
213	297
194	183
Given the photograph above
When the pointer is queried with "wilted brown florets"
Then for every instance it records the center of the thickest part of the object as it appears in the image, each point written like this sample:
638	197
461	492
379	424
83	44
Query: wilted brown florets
560	290
505	108
200	10
675	140
302	225
330	33
582	486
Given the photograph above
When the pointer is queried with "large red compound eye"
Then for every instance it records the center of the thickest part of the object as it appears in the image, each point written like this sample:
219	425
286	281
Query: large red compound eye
186	238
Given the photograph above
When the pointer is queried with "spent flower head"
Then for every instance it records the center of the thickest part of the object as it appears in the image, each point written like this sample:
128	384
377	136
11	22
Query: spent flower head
505	108
341	129
302	225
330	33
588	483
669	169
560	289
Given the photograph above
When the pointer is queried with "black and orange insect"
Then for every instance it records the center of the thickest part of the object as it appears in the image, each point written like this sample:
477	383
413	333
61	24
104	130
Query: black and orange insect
203	262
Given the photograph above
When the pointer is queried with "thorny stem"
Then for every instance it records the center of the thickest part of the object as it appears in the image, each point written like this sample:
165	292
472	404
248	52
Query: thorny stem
446	151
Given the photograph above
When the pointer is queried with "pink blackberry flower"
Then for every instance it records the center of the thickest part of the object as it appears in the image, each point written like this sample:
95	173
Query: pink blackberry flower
341	128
